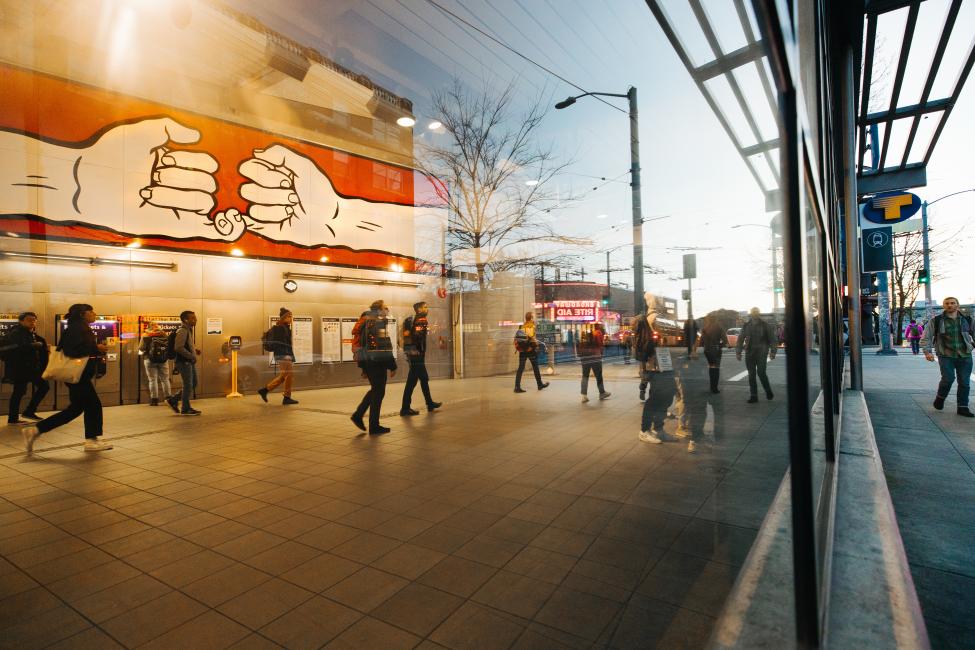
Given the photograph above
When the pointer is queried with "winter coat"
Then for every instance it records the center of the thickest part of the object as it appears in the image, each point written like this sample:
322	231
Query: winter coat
26	361
77	342
279	339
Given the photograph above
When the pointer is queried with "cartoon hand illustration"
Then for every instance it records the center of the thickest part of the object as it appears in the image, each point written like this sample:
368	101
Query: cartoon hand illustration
293	199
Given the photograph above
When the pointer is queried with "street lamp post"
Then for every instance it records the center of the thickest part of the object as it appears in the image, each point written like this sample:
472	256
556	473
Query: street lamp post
928	313
630	95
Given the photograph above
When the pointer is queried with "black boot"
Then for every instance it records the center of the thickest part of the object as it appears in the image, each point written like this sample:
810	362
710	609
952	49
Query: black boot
713	374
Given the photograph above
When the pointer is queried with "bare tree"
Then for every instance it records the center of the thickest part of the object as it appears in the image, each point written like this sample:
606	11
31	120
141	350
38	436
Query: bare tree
908	260
491	151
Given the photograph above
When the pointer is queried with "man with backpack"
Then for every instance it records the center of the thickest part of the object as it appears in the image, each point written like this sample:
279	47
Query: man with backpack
375	357
590	351
913	333
414	337
25	357
181	349
950	334
152	349
278	341
527	346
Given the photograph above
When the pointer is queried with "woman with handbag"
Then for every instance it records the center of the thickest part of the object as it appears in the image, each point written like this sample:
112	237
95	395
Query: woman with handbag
76	362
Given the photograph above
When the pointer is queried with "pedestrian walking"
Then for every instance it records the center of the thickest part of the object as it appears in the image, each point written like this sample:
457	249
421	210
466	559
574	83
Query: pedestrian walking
279	342
913	332
758	340
626	342
25	357
655	375
375	358
713	340
78	342
527	347
950	335
590	350
152	349
181	348
414	337
690	334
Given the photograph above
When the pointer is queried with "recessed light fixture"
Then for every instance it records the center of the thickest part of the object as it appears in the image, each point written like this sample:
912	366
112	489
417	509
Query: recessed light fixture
531	183
237	252
434	125
323	258
133	244
398	268
406	121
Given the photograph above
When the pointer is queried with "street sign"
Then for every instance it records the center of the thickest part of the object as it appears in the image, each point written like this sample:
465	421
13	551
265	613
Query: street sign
690	266
891	207
877	246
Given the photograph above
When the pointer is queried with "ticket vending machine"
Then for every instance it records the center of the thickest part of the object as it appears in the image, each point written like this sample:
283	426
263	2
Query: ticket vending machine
107	330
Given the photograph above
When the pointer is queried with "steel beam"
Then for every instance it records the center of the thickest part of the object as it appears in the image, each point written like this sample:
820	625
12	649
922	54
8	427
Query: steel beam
896	179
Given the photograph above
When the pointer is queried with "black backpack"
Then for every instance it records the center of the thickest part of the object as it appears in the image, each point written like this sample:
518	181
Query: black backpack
375	345
267	343
171	345
158	349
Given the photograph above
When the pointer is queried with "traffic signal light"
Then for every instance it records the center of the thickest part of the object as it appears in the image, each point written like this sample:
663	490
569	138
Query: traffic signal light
922	276
605	301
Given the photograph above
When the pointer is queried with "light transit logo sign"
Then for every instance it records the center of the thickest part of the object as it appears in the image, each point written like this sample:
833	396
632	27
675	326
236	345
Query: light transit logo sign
891	207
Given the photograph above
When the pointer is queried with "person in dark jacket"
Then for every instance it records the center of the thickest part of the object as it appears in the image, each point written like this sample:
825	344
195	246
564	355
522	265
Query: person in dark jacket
951	336
713	339
414	337
590	351
78	342
25	360
655	375
527	346
152	349
690	334
185	363
279	339
375	358
759	341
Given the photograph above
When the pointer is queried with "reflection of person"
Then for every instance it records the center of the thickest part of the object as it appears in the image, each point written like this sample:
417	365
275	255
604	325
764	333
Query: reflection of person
23	364
375	358
78	342
527	346
590	350
185	363
661	381
713	339
626	342
279	341
757	338
152	349
690	334
950	334
414	337
913	332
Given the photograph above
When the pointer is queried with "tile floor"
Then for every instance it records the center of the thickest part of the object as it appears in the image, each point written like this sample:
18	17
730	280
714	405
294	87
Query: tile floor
503	521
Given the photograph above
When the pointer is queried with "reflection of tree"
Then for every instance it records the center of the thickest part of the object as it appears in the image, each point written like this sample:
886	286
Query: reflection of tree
488	155
908	260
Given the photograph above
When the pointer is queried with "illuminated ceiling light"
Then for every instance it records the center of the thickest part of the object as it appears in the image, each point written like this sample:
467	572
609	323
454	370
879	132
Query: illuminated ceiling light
12	234
237	252
323	258
531	183
601	216
133	244
434	125
398	268
406	121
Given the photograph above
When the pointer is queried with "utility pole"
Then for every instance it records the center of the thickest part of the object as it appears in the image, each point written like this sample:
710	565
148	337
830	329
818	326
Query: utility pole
638	306
928	312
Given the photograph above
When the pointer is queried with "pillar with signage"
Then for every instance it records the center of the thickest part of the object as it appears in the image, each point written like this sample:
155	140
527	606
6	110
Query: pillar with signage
877	218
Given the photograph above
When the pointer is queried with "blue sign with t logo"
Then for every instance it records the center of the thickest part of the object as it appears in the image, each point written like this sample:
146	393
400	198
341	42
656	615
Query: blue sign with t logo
891	207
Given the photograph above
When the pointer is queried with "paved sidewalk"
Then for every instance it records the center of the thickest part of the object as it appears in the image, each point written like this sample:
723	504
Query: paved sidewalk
502	521
929	461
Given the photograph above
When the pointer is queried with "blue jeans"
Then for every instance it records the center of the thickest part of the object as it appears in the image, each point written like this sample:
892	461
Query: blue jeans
915	345
950	367
187	371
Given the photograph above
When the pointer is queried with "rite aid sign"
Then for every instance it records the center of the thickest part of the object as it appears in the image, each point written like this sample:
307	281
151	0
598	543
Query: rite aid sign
891	207
577	310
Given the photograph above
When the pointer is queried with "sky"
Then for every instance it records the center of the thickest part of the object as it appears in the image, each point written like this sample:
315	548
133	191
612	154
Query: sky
695	187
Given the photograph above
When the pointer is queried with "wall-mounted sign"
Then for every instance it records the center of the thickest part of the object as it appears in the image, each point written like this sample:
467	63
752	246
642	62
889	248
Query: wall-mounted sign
215	326
331	339
577	310
347	325
891	207
877	246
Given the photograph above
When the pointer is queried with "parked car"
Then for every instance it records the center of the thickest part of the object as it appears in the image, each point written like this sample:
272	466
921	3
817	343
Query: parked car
733	335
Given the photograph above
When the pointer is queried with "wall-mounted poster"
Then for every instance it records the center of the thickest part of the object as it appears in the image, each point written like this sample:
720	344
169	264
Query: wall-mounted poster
301	338
347	325
6	322
215	326
331	339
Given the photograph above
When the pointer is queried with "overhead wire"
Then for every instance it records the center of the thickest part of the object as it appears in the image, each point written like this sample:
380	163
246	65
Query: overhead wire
519	54
557	42
595	24
579	37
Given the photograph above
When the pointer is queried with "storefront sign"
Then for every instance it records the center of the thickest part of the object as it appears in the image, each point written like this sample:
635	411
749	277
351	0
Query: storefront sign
331	339
878	250
891	207
577	310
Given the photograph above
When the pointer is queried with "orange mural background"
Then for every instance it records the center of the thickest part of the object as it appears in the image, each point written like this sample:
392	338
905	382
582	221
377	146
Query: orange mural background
71	113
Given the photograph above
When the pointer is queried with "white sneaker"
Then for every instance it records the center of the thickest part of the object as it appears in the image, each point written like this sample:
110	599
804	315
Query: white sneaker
30	435
691	446
97	444
585	398
681	432
651	437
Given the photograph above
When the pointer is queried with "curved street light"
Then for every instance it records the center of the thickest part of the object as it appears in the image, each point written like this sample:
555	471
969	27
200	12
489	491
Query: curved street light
927	251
